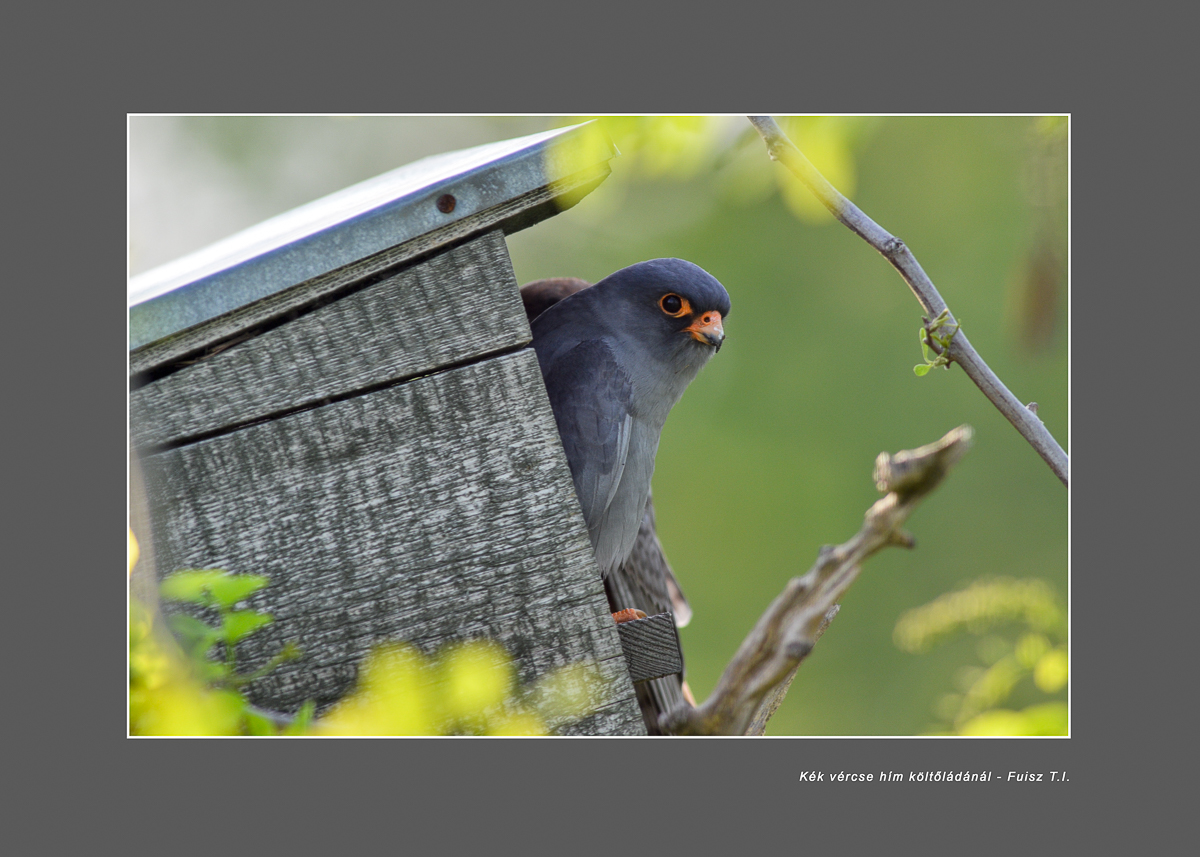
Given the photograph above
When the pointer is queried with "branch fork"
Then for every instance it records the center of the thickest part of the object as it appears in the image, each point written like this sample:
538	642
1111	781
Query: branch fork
756	680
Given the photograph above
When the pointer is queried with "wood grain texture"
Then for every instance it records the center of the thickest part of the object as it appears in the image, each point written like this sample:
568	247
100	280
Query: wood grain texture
455	307
520	212
438	509
651	647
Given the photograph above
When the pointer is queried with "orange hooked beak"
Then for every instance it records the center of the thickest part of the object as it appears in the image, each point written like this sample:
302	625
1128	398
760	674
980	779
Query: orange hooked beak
707	328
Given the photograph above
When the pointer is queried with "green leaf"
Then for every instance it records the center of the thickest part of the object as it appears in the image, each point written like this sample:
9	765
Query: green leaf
290	651
195	637
210	587
191	585
211	672
299	724
240	623
256	724
232	588
922	370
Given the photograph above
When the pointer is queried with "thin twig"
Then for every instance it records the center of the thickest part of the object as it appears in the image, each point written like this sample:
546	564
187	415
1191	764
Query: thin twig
754	683
782	149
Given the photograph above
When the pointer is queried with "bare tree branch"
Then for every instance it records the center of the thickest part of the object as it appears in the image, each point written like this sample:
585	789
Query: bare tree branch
754	683
1023	418
774	697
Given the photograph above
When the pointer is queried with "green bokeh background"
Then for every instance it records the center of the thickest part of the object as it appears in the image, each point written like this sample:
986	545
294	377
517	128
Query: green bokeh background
769	454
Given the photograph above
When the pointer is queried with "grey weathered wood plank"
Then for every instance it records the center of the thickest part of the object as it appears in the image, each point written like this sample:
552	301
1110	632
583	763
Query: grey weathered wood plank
438	509
454	307
511	216
651	647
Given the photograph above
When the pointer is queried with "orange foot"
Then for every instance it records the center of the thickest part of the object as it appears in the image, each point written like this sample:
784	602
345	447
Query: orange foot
628	615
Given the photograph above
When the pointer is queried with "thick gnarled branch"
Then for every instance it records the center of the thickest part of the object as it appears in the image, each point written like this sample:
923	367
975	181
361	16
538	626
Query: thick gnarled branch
753	684
1023	418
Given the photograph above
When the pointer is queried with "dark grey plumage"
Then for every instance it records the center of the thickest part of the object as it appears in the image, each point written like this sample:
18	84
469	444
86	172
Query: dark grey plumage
615	360
616	357
646	580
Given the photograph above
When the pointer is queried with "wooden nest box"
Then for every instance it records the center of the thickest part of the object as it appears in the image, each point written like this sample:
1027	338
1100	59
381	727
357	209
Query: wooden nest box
344	399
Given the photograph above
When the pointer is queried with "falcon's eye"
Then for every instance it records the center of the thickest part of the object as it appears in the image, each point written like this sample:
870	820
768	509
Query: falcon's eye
674	306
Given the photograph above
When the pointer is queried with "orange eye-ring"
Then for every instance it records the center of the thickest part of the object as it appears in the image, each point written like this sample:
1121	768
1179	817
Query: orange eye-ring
674	306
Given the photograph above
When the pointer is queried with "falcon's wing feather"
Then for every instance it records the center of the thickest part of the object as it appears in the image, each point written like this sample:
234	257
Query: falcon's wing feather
591	395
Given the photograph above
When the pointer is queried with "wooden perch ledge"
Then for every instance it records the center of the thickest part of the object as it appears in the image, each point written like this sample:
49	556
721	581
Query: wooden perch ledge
756	680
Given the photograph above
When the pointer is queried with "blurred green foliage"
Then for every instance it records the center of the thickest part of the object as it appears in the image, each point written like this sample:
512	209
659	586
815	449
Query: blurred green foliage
769	454
1029	661
220	592
468	688
175	686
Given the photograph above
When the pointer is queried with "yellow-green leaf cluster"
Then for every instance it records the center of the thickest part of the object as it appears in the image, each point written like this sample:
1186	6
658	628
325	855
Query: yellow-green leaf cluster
467	688
978	607
1036	660
165	698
